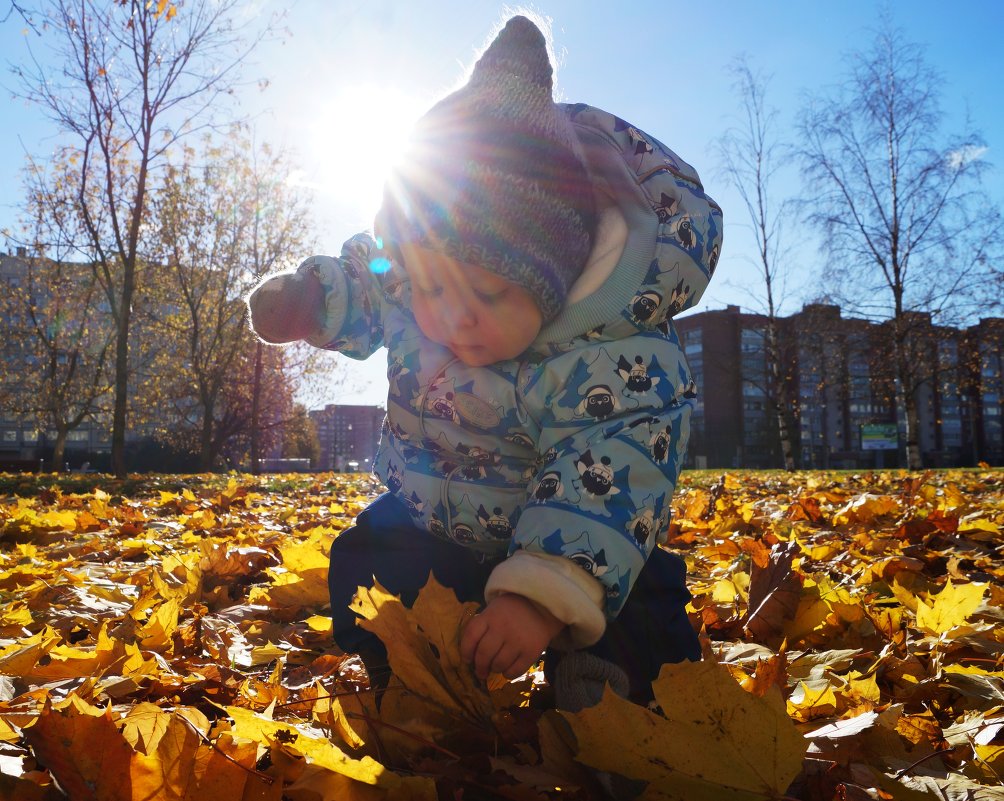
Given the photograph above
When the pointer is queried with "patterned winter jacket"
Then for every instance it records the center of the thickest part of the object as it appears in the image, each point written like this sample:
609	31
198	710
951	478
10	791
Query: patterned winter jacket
560	463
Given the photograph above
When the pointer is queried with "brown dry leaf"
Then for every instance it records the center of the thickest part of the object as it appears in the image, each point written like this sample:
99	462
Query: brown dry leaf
100	771
13	788
715	742
773	594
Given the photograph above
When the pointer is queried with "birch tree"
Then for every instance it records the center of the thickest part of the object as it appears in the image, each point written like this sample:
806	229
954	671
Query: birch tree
907	229
750	155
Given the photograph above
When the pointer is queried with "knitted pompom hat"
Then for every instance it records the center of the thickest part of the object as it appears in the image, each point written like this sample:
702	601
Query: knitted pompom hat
493	175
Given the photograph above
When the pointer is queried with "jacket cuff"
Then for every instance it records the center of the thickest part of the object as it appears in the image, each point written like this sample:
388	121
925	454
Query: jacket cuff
329	273
561	587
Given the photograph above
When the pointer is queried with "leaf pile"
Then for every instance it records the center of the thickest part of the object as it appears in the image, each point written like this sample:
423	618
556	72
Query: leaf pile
169	640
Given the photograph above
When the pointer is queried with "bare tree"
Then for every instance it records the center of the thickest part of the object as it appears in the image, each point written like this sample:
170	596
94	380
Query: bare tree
750	157
222	214
907	229
22	12
58	365
135	78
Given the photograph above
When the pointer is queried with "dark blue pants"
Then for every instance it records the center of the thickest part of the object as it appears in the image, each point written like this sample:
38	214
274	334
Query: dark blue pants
651	629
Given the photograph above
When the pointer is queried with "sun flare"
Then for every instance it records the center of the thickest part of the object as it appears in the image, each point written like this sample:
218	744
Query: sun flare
355	139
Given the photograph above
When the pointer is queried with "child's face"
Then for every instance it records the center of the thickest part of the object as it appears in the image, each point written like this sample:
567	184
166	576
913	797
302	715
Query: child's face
479	316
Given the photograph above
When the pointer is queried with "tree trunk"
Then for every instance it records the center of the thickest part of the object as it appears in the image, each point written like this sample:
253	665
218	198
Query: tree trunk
256	411
906	399
206	455
781	395
913	455
59	449
121	388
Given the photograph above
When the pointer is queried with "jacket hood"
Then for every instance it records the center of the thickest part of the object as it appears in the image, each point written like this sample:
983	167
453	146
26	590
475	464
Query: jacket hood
673	241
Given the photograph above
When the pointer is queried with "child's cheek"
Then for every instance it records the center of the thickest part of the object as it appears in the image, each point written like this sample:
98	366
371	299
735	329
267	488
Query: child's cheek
426	319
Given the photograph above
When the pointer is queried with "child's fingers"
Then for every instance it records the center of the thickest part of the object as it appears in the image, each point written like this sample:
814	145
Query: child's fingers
485	654
519	665
474	630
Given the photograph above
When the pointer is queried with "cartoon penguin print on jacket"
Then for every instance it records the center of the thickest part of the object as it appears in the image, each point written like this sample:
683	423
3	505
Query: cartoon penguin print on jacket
597	478
548	487
666	208
636	377
393	478
659	444
641	525
678	298
442	406
496	523
578	548
414	503
463	534
683	230
437	526
599	403
644	306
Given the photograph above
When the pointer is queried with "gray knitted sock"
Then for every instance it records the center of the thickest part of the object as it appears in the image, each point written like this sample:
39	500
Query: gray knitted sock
580	677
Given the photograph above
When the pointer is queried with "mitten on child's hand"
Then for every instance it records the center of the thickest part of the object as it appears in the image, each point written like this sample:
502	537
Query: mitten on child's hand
287	307
580	678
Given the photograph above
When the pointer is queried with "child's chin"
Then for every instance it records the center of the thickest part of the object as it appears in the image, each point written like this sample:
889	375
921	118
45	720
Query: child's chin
476	358
476	355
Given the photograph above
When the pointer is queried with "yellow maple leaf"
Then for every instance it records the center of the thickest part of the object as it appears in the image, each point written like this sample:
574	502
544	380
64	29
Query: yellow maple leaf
156	633
951	607
866	508
809	702
423	646
8	733
318	751
716	740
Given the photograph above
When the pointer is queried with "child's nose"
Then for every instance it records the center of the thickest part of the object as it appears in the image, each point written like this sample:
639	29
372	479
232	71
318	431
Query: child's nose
460	315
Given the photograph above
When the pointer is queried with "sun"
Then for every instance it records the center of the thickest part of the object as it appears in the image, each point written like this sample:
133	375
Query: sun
355	140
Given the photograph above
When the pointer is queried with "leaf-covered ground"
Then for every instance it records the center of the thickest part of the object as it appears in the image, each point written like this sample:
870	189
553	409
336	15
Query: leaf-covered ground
166	637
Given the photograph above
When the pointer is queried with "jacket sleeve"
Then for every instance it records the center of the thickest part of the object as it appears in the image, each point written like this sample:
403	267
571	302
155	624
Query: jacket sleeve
611	455
355	286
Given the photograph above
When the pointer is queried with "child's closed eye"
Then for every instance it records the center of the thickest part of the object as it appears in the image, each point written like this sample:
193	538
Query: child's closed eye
490	297
429	291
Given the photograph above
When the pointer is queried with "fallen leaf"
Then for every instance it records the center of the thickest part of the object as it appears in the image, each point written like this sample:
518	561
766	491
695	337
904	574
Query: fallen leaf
99	771
715	742
952	607
423	646
774	594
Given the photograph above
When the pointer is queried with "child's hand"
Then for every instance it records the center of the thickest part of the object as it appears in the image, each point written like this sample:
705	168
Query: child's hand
508	636
288	307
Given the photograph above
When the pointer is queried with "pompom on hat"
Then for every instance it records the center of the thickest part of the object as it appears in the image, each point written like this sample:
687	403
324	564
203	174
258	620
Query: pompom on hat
493	175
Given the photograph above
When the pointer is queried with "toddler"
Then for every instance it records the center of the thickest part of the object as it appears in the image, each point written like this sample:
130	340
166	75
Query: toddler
527	261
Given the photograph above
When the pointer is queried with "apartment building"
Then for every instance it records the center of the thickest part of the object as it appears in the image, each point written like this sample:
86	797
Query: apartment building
348	436
841	390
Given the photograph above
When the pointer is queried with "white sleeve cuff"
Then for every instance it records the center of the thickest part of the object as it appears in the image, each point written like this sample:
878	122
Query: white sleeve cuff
558	585
330	274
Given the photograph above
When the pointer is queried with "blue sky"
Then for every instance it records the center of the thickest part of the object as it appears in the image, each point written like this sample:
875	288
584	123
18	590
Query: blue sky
346	77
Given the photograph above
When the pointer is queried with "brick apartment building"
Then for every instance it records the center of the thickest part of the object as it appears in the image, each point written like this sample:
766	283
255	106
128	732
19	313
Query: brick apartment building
348	435
841	410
